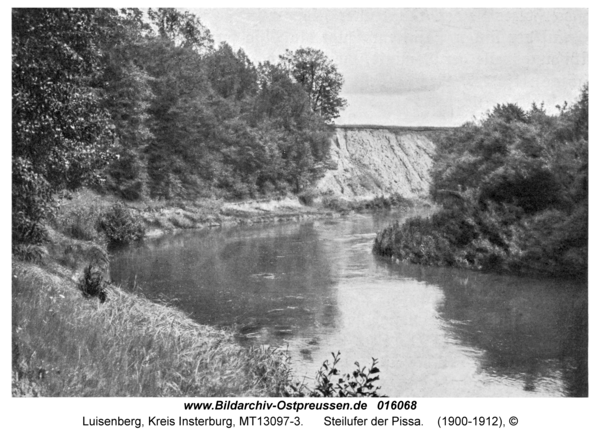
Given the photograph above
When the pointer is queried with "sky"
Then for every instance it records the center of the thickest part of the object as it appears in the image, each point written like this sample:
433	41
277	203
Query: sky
424	67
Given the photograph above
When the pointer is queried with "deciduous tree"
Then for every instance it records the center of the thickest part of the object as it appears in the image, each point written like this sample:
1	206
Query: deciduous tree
61	135
319	77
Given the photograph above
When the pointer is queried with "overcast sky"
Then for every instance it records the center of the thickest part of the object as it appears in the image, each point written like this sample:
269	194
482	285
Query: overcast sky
424	67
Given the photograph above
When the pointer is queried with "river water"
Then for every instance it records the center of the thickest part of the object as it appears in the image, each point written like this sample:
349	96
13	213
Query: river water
316	288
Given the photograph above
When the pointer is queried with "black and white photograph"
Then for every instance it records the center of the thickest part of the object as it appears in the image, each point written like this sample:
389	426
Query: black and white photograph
299	203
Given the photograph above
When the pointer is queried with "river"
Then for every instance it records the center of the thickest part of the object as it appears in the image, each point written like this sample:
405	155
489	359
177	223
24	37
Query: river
316	288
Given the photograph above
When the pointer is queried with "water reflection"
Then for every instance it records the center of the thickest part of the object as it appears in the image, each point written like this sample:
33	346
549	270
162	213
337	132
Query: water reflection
316	288
529	330
269	283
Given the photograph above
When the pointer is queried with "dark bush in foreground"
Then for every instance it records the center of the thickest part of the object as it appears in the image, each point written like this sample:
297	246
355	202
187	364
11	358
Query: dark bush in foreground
92	283
329	382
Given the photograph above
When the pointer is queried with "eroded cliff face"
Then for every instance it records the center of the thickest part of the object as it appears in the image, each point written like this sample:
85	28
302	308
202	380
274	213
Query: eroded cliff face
375	161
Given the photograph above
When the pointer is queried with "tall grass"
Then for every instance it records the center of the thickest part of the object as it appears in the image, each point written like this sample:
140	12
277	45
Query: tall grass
65	345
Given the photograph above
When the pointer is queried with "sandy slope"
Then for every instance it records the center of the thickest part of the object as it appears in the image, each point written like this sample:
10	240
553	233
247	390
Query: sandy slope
374	161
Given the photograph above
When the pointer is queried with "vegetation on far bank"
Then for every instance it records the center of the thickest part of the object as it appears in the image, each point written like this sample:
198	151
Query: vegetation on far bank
393	201
513	191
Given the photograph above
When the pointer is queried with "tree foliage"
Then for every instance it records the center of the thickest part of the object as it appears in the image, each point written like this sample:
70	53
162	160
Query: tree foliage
61	134
514	195
127	95
231	74
319	77
142	104
184	29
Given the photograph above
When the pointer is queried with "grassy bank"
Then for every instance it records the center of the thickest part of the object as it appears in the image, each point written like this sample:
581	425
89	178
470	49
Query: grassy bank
78	214
67	345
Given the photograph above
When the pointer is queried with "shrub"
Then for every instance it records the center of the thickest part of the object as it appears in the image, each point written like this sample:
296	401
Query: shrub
397	199
31	204
336	204
92	283
79	221
308	196
28	252
330	383
513	195
181	221
120	225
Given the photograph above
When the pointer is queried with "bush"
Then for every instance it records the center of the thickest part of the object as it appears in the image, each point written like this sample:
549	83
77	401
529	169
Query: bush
398	200
28	252
395	200
308	196
31	204
513	192
120	225
79	220
336	204
92	283
330	383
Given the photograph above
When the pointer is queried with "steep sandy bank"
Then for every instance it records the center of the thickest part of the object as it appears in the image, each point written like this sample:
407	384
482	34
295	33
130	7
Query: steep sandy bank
374	161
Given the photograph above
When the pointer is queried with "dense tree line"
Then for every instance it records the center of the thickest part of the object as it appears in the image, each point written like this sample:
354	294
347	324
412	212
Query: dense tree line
143	104
513	191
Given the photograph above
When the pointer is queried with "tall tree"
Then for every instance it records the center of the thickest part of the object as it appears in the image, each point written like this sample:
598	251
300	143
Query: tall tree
181	119
127	96
61	135
319	77
304	137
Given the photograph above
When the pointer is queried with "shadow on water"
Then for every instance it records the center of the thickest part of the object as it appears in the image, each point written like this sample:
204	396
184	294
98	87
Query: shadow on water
531	330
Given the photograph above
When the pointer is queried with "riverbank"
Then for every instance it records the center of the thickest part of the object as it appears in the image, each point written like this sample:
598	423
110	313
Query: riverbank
80	211
83	208
67	342
178	216
67	345
551	244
